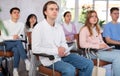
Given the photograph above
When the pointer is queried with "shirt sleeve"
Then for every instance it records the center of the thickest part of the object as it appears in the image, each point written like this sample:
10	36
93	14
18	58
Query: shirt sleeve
5	37
106	31
22	33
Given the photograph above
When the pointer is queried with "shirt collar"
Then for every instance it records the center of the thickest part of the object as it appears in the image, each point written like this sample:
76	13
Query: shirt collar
12	21
55	25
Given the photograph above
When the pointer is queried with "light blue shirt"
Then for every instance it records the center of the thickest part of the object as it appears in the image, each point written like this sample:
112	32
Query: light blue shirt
112	31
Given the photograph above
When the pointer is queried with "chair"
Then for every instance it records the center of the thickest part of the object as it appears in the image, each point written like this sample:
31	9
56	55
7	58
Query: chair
42	69
101	63
4	53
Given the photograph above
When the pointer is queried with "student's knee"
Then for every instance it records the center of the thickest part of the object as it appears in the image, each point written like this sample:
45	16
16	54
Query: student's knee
117	58
18	42
69	71
91	64
15	50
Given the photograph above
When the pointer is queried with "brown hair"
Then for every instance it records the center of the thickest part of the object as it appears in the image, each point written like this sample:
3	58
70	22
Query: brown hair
66	13
113	9
45	6
88	24
14	8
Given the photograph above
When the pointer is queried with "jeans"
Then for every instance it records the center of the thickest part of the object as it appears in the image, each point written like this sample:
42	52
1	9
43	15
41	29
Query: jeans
18	50
68	65
111	56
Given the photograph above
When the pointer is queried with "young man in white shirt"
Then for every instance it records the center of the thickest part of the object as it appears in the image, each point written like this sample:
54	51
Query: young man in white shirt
12	34
48	37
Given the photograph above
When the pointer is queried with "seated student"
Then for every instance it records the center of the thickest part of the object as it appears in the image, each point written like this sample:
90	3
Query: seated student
14	31
90	37
111	30
48	37
69	27
31	22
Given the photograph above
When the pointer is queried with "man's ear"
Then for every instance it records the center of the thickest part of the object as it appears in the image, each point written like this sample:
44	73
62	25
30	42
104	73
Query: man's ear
45	12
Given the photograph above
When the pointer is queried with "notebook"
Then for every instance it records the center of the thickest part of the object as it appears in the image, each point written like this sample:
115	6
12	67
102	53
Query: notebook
106	49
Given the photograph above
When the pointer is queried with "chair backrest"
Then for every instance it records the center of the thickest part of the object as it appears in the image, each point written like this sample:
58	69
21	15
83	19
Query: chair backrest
29	40
76	36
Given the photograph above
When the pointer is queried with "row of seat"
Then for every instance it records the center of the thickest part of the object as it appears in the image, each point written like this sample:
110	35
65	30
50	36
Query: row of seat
43	69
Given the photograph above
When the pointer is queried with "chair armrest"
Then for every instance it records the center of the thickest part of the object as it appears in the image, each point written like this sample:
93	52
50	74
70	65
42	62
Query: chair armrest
79	51
51	57
25	41
91	49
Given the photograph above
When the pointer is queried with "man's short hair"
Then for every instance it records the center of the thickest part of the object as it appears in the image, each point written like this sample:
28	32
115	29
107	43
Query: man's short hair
14	8
113	9
46	4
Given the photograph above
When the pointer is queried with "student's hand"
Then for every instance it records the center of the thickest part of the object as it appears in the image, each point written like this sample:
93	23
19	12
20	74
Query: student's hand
15	37
61	51
68	39
101	46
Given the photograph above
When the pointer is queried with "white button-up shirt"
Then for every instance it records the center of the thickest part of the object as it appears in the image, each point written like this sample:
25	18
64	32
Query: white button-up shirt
47	39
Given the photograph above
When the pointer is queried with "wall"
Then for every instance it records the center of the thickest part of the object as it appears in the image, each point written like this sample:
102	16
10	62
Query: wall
26	6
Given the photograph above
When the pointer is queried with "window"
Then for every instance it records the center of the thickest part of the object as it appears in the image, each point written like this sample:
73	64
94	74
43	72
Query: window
84	6
101	6
75	6
68	5
115	3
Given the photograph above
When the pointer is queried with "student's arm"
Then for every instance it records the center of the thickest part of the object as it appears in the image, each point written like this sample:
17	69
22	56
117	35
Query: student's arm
5	37
106	35
110	41
22	33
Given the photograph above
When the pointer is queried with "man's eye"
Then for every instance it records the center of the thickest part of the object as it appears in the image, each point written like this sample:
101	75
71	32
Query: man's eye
56	9
51	9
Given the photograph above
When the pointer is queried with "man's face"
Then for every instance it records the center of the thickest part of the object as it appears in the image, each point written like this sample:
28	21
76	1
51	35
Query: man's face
52	11
115	15
15	14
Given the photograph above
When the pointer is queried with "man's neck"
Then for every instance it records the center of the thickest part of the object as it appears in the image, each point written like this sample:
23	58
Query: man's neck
114	22
14	20
51	22
67	22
